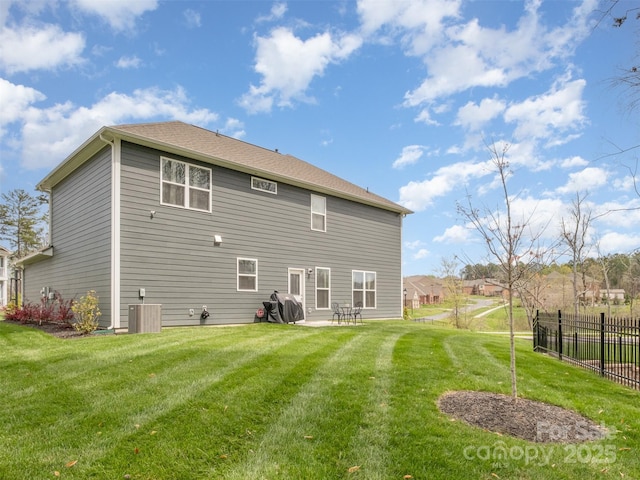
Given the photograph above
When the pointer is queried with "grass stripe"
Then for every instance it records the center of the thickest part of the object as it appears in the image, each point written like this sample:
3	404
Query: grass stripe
294	436
369	449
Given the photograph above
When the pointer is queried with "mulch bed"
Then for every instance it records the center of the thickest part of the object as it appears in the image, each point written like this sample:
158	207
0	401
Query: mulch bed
521	418
60	330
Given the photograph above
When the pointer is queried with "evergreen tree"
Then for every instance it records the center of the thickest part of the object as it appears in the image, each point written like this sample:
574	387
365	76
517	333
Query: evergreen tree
21	221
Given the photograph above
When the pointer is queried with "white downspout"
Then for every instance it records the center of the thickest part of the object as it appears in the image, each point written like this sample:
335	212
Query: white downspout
115	230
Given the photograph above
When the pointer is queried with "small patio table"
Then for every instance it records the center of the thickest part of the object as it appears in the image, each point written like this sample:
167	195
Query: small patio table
346	312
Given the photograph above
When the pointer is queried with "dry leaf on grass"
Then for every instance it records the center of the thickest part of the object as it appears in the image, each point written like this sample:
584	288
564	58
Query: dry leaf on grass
355	468
71	463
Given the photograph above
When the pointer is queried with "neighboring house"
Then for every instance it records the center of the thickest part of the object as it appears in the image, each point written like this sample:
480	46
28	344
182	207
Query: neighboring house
614	294
423	290
488	287
173	214
4	276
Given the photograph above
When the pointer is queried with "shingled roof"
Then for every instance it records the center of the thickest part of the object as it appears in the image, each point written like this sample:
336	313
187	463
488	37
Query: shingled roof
217	149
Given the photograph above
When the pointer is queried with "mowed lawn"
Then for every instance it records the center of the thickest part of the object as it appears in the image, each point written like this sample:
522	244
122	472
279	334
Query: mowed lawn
270	401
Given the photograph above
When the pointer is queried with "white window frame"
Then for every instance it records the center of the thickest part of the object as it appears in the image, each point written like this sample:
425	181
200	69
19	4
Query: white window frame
256	181
243	274
328	288
186	185
364	289
323	214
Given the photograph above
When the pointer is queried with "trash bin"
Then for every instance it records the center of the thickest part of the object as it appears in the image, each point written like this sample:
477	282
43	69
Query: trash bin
145	318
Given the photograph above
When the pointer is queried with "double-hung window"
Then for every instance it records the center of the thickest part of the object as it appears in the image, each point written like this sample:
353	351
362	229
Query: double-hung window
323	287
318	213
364	288
185	185
248	274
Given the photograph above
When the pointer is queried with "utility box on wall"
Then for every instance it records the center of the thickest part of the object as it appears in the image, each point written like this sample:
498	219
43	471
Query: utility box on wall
145	318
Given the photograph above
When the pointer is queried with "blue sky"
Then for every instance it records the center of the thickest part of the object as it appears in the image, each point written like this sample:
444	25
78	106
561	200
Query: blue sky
398	97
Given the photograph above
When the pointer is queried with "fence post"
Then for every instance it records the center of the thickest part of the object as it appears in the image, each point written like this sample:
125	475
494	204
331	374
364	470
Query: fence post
535	332
560	334
602	343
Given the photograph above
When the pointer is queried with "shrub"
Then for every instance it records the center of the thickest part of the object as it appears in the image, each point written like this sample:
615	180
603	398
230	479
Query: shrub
64	311
86	312
11	311
57	310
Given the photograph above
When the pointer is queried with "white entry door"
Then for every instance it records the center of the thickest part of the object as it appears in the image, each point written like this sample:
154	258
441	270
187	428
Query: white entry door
296	286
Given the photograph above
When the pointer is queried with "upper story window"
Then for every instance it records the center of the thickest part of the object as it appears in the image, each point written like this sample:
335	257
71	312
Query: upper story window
185	185
248	274
364	288
264	185
318	213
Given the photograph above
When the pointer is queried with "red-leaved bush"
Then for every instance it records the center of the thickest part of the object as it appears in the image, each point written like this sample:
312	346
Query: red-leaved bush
56	310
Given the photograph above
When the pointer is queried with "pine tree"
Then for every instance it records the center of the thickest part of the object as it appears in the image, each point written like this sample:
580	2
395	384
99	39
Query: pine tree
21	221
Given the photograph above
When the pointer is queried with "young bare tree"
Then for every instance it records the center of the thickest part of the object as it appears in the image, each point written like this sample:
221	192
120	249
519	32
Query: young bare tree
633	280
513	243
605	264
454	292
574	234
531	290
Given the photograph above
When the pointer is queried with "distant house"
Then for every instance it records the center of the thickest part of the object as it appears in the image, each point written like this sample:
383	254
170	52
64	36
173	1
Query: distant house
423	290
4	276
614	294
488	287
173	214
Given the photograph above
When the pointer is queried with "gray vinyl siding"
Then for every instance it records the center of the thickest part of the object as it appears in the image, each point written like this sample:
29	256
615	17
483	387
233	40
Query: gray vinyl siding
173	256
81	237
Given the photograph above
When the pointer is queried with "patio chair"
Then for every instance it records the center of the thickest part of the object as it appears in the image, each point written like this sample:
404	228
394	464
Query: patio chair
335	306
357	311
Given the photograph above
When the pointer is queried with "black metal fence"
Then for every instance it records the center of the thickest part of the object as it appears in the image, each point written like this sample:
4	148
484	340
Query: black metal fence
609	346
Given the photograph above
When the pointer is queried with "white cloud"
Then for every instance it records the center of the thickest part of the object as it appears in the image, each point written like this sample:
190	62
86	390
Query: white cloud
575	161
192	18
541	215
47	47
469	55
50	134
420	254
234	128
615	242
586	180
129	61
15	100
473	116
626	183
455	234
419	22
277	12
551	114
414	244
288	65
418	196
619	214
410	155
120	15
